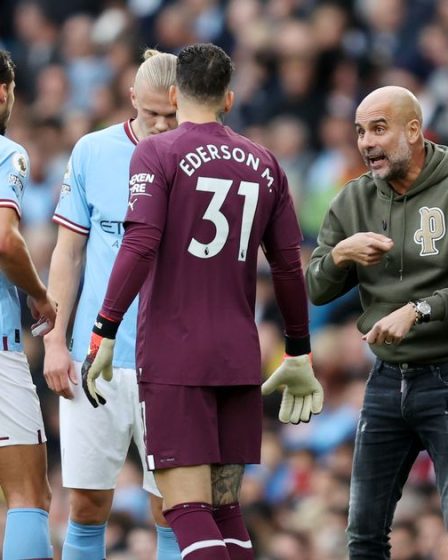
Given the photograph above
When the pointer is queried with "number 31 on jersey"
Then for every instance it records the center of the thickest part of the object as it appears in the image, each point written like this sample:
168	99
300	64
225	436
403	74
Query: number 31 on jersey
221	188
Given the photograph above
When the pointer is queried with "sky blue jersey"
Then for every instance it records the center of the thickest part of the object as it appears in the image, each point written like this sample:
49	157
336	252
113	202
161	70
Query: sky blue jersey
14	173
93	202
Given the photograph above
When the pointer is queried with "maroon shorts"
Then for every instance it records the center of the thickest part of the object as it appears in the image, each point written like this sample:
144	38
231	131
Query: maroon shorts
201	425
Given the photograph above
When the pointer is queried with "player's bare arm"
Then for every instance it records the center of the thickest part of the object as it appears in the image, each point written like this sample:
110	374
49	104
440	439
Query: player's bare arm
16	264
226	483
64	278
364	248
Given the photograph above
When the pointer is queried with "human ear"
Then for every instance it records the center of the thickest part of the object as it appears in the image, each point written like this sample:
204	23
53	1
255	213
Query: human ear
228	101
172	96
414	130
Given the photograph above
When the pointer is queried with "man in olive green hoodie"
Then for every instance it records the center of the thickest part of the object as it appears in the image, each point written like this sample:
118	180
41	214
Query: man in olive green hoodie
386	232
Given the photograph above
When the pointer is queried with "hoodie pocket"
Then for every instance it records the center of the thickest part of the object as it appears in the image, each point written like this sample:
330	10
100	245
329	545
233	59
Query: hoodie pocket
374	313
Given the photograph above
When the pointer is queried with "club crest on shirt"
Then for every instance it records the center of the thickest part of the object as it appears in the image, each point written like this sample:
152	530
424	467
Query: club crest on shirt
16	184
68	171
65	190
19	163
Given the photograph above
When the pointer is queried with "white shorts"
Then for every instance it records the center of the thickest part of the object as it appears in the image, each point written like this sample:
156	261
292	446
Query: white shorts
20	414
95	441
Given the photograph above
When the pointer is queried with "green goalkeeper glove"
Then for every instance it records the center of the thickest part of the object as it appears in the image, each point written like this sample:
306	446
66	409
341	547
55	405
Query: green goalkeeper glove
99	359
303	394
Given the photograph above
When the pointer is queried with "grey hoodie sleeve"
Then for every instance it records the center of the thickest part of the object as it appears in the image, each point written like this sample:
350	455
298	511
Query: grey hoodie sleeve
326	281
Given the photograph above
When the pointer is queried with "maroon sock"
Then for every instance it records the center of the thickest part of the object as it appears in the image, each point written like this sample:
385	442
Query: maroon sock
231	525
196	531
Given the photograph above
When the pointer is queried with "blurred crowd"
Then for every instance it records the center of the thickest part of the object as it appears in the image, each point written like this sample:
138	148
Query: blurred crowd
302	66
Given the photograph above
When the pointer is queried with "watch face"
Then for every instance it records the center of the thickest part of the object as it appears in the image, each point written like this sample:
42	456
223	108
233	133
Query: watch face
424	308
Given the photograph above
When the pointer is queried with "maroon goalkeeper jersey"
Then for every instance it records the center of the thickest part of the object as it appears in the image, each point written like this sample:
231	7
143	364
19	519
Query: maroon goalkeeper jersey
203	199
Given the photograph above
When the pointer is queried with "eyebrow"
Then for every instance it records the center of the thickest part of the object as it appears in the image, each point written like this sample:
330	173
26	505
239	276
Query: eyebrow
381	120
157	113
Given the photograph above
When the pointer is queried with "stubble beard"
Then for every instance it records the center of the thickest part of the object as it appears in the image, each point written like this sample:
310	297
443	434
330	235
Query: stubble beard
399	162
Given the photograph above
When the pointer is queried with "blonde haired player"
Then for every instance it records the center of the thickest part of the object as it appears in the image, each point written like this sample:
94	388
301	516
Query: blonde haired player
92	205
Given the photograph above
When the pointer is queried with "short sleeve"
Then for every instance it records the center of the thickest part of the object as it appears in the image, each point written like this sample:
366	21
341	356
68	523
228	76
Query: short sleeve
72	210
14	174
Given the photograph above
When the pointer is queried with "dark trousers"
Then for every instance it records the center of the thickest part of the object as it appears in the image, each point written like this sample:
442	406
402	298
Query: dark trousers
405	410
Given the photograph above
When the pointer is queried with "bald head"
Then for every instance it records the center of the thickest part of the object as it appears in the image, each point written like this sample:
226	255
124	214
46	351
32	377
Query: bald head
401	102
390	138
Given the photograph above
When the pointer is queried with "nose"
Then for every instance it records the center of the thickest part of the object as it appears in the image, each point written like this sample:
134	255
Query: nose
161	124
366	141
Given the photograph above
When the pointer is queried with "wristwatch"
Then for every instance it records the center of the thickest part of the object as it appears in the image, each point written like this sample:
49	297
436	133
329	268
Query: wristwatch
422	311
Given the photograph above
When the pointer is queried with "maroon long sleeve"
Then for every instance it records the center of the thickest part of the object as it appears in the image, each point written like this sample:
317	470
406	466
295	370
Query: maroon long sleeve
131	268
289	286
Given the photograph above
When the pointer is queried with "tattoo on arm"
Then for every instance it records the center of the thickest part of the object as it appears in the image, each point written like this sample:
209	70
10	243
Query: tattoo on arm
226	483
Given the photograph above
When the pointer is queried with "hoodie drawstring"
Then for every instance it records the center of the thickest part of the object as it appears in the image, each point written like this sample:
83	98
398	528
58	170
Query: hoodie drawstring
388	229
403	237
388	225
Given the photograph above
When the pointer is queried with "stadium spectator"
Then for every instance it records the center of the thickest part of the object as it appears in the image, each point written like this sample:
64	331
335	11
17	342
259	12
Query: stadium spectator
404	541
85	69
35	46
430	530
386	233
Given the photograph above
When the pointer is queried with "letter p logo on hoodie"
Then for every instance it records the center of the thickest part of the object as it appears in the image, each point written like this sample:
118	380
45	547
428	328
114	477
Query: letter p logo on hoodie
432	228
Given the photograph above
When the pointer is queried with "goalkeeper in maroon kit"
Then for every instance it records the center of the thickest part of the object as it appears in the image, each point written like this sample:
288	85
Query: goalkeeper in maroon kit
202	201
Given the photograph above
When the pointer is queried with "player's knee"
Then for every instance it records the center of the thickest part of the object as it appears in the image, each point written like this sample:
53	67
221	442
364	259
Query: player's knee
41	495
31	494
89	507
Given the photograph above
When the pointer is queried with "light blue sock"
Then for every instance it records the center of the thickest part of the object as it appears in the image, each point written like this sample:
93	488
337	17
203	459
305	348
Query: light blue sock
84	542
167	547
27	535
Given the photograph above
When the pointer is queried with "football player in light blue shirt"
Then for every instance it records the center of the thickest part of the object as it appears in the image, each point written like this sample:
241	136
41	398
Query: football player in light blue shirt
90	213
23	461
14	166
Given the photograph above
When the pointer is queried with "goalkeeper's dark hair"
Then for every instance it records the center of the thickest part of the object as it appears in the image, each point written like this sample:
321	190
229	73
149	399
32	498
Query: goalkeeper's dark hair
203	72
7	66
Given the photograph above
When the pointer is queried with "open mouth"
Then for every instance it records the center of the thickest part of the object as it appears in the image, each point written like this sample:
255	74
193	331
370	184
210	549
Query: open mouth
376	162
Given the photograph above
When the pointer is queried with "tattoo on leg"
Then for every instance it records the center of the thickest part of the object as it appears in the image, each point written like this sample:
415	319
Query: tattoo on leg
226	483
